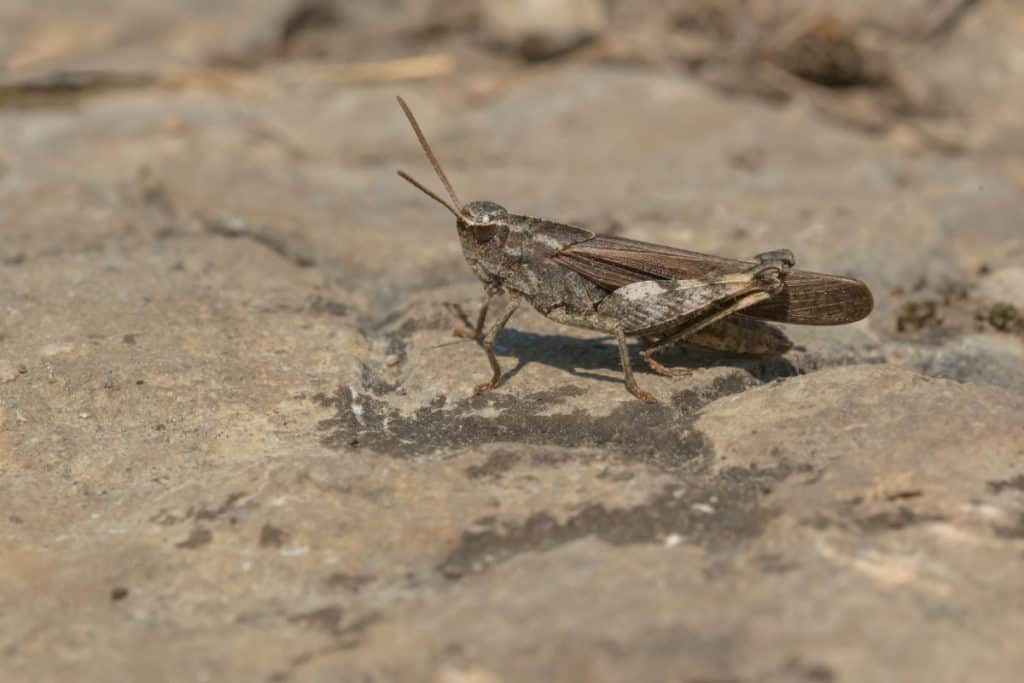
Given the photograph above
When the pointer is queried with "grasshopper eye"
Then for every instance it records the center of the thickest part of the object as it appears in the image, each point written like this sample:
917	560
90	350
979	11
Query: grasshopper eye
485	233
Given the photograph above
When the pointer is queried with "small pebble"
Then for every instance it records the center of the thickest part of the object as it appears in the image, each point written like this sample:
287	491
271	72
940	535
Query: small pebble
1004	285
56	349
542	29
8	371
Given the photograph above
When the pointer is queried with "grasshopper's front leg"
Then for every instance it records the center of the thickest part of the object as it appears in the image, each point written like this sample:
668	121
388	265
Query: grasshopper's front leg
489	340
481	318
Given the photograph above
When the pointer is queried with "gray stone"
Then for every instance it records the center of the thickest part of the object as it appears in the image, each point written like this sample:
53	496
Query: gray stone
1004	285
8	371
996	359
238	440
541	29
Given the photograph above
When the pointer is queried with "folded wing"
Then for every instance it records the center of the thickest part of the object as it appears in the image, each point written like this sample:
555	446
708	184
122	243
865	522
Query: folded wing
807	299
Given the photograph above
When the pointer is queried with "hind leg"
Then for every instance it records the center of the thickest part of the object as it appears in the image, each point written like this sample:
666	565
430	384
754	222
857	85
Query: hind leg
659	368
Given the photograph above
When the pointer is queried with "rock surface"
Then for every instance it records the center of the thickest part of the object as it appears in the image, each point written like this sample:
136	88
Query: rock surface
237	439
542	29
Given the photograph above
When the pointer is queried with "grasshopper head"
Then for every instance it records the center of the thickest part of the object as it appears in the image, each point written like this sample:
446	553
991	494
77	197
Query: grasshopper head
483	213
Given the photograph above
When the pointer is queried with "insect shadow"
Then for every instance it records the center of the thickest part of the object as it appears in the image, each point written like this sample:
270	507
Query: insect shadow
584	357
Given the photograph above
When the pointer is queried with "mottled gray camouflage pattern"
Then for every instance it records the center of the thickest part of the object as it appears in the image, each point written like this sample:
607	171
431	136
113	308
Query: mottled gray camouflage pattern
622	290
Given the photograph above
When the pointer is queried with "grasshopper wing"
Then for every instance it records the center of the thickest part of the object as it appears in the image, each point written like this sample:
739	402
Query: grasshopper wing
807	298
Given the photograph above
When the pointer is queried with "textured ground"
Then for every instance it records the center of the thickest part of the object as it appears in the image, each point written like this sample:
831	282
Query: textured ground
236	437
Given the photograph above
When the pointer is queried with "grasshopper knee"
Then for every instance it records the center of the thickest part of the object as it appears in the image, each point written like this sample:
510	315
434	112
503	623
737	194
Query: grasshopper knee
780	258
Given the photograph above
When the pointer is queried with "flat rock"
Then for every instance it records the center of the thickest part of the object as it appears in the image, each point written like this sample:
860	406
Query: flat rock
238	440
541	30
982	358
1004	285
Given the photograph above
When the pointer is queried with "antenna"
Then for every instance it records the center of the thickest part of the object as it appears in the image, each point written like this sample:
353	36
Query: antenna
433	162
429	193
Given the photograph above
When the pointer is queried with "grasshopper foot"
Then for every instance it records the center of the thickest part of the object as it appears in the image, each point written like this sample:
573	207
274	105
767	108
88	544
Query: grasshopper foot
644	396
627	370
481	388
662	369
465	333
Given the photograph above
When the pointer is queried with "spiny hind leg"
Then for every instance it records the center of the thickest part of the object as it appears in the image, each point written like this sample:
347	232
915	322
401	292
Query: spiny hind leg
699	324
661	307
766	279
675	309
653	346
663	370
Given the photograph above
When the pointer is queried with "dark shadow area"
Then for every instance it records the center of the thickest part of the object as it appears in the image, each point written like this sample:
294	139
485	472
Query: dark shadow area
580	357
659	435
735	495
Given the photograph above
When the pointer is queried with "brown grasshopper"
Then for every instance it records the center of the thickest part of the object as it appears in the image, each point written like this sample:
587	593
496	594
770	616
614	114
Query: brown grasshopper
628	288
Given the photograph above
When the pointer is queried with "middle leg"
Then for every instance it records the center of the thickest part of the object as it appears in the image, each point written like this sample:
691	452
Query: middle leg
627	370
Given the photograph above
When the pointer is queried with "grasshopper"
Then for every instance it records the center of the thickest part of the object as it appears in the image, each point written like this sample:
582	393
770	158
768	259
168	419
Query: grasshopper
628	288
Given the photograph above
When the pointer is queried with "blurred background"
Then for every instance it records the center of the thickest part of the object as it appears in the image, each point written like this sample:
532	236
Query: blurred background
694	121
